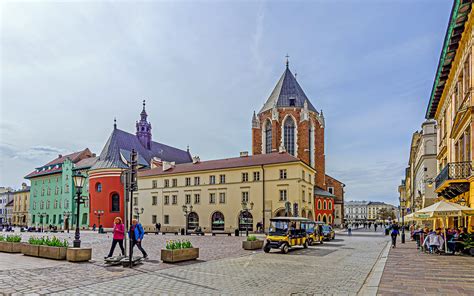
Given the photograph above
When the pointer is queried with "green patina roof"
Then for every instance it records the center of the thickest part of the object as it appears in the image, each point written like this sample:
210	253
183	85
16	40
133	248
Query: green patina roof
458	18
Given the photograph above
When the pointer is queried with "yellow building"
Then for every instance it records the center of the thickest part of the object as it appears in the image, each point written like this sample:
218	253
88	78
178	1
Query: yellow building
21	204
374	208
274	184
451	104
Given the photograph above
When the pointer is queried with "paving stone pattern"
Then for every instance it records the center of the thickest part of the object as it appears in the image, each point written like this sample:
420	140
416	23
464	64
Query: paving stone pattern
411	272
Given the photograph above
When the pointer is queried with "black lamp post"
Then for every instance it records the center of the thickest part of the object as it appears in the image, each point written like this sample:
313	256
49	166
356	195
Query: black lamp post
402	213
186	212
245	209
79	180
138	212
99	214
66	215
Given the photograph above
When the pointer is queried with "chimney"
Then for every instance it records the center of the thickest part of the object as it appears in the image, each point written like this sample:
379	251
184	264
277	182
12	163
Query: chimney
168	165
196	159
244	153
60	155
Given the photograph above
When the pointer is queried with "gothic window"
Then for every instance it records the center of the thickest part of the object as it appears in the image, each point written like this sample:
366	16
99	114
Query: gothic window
115	203
268	137
289	135
98	187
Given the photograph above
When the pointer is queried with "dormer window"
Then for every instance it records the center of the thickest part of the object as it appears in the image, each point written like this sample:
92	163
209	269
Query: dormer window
292	102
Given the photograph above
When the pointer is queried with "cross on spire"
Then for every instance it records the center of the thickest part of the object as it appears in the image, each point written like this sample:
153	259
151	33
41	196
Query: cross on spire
287	61
143	104
115	123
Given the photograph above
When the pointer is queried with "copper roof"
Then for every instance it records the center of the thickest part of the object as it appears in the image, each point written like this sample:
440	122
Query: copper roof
457	20
227	163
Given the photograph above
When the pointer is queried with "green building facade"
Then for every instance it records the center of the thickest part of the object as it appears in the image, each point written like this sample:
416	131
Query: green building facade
53	194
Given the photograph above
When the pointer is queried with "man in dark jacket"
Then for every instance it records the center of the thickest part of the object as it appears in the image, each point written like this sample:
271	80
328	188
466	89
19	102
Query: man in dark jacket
136	234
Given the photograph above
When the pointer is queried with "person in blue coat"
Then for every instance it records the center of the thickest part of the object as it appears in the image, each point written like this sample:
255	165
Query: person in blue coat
136	234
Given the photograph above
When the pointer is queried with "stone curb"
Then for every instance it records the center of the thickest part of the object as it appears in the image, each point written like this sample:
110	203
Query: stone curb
371	284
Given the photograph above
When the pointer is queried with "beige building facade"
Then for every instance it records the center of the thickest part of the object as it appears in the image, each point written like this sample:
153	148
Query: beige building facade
226	194
21	205
374	208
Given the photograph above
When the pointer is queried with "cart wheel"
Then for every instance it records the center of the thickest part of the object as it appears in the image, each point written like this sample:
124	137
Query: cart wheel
321	242
310	242
266	249
285	249
305	245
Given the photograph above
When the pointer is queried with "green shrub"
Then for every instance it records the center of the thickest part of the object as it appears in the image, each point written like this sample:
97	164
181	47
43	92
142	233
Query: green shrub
175	245
251	238
51	242
2	238
13	238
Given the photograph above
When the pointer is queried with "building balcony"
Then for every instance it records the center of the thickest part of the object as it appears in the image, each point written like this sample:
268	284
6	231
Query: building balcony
453	179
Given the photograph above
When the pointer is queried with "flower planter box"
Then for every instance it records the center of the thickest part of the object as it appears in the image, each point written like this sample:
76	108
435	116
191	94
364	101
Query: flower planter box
9	247
252	245
79	254
30	250
179	255
57	253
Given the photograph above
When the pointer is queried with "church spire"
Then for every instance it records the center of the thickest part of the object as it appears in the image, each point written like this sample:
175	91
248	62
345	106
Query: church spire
144	129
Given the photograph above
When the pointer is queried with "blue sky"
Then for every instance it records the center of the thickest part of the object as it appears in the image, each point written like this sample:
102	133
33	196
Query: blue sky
67	69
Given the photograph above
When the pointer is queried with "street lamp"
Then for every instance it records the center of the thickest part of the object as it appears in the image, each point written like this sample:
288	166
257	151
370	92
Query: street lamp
99	214
245	209
138	212
186	211
402	210
462	202
42	216
79	180
66	215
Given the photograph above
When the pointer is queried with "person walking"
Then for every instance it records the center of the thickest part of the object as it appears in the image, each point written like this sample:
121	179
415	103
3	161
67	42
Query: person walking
375	227
136	234
394	234
119	235
158	228
349	229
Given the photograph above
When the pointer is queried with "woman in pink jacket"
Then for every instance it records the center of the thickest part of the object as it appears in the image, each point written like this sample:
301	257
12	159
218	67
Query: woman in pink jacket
119	235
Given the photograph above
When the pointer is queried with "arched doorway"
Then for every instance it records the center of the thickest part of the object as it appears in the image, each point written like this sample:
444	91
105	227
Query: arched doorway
303	213
319	217
245	221
280	213
217	221
310	215
193	221
325	218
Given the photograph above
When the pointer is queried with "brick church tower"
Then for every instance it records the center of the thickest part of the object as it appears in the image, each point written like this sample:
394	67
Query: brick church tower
289	122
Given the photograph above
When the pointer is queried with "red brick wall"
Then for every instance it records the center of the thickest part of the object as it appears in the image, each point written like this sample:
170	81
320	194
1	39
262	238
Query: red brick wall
302	140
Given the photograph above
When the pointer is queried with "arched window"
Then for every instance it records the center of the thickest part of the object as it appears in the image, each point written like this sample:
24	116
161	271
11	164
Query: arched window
325	219
115	203
245	221
311	144
217	221
329	205
319	217
98	187
310	215
330	219
303	213
324	205
193	221
319	204
268	136
289	135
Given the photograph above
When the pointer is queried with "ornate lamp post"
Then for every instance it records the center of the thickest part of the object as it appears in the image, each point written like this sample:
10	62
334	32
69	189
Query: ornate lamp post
138	212
99	214
245	209
79	180
66	215
186	212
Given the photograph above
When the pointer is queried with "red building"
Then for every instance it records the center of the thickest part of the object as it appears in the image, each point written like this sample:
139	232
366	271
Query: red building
323	206
105	187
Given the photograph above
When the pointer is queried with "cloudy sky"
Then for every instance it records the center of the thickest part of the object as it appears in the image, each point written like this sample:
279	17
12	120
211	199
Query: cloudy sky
68	68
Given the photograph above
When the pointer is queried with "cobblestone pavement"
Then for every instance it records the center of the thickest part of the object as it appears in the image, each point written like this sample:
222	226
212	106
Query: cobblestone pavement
410	272
337	267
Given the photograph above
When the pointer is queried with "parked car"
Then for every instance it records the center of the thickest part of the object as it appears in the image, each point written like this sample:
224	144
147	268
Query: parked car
328	232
